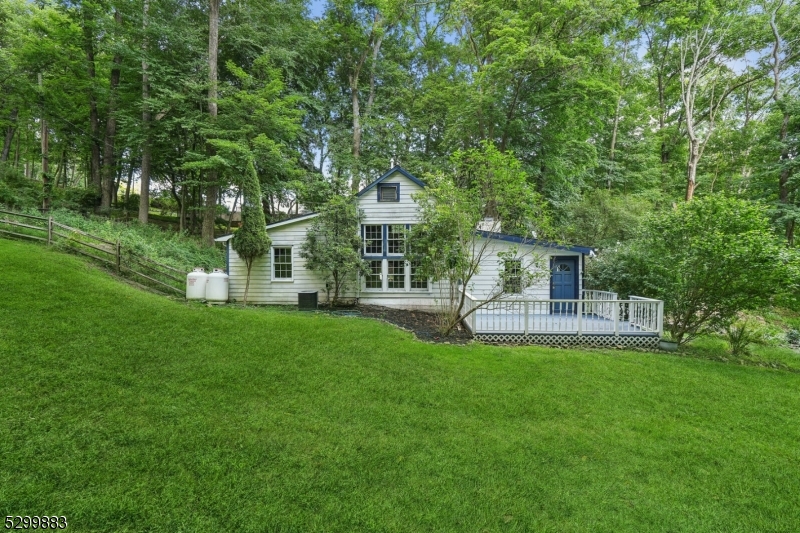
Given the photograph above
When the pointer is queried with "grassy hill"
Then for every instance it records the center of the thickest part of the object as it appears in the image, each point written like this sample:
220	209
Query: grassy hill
125	411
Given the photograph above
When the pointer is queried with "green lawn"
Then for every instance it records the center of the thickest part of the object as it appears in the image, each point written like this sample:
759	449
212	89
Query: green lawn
125	411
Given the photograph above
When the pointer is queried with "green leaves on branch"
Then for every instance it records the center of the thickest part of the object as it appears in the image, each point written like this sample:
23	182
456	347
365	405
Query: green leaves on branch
708	260
333	246
251	242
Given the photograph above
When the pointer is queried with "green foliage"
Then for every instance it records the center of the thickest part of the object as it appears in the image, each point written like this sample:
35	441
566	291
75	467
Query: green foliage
251	241
740	335
333	247
601	219
16	191
173	249
445	243
708	260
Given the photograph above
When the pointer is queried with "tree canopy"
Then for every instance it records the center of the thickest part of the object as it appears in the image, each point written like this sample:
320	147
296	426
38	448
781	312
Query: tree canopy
648	103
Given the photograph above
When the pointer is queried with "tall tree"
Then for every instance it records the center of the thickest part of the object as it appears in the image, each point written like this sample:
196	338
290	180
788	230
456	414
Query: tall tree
109	167
212	188
144	175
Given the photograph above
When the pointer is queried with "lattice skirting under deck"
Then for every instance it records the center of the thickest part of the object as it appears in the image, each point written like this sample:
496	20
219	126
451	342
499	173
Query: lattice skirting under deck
547	339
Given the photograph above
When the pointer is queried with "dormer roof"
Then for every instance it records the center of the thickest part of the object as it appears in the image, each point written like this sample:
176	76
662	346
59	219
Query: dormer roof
396	168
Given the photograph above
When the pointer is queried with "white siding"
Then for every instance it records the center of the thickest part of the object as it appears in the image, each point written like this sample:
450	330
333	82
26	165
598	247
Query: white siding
402	212
486	281
263	290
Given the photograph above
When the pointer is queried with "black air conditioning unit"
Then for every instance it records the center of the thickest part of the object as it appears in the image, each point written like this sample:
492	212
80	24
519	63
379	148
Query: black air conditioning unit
307	300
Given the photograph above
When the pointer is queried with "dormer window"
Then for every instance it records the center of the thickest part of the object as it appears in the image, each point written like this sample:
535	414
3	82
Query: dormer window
389	192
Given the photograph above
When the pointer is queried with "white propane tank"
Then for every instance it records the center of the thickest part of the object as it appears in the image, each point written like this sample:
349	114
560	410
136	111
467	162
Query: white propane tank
196	284
217	287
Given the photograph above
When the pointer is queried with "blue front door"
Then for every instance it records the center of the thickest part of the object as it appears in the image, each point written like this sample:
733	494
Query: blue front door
564	283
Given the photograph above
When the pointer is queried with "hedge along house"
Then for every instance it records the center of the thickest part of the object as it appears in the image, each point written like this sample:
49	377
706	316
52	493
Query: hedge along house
556	305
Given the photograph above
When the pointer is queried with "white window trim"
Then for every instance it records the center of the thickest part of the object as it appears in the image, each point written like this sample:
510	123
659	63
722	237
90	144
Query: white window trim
384	288
272	263
395	290
364	242
364	287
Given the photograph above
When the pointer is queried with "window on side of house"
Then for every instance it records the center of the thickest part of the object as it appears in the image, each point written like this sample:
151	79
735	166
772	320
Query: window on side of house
395	239
373	240
388	193
374	279
512	276
282	263
417	281
396	274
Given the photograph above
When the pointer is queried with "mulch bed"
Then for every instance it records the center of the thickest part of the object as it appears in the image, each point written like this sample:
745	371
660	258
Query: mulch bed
421	323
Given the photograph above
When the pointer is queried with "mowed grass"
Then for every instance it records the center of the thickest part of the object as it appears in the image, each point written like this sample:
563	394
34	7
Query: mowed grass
125	411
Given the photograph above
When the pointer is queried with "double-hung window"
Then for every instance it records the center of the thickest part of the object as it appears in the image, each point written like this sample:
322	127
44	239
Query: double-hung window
388	270
395	239
373	240
512	276
282	263
396	278
375	275
417	281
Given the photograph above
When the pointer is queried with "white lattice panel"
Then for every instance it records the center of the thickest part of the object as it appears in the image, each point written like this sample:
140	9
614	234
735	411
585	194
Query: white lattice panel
605	341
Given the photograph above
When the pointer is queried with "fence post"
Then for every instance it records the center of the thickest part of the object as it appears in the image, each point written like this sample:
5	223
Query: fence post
615	307
527	313
118	254
580	321
660	318
49	231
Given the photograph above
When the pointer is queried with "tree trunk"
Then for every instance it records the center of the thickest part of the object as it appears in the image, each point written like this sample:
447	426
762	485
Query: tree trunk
107	183
356	148
182	218
16	150
212	190
94	121
128	183
691	174
45	137
247	283
144	176
9	134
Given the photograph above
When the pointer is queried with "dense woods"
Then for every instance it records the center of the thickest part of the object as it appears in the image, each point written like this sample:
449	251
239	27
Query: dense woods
613	109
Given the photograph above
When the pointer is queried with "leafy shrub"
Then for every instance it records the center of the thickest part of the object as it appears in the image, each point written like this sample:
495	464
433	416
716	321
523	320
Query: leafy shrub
793	337
132	204
75	198
740	335
602	219
173	249
17	191
707	259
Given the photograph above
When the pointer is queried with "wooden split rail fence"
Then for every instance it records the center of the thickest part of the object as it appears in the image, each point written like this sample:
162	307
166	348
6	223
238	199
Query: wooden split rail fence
123	261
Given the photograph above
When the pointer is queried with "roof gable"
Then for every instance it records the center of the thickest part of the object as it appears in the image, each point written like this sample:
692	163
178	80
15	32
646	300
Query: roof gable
292	220
396	168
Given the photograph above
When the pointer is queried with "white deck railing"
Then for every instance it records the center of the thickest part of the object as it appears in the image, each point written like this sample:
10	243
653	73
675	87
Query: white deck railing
635	316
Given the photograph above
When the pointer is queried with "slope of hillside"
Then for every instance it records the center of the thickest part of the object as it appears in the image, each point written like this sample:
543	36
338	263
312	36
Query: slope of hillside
125	411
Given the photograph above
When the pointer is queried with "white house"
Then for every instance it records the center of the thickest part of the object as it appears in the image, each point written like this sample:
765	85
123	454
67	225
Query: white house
389	209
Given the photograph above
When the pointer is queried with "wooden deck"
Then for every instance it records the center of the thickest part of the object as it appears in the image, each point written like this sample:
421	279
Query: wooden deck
598	313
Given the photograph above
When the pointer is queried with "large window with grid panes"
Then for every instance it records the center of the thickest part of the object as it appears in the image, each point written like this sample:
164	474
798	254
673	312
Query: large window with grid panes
384	249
